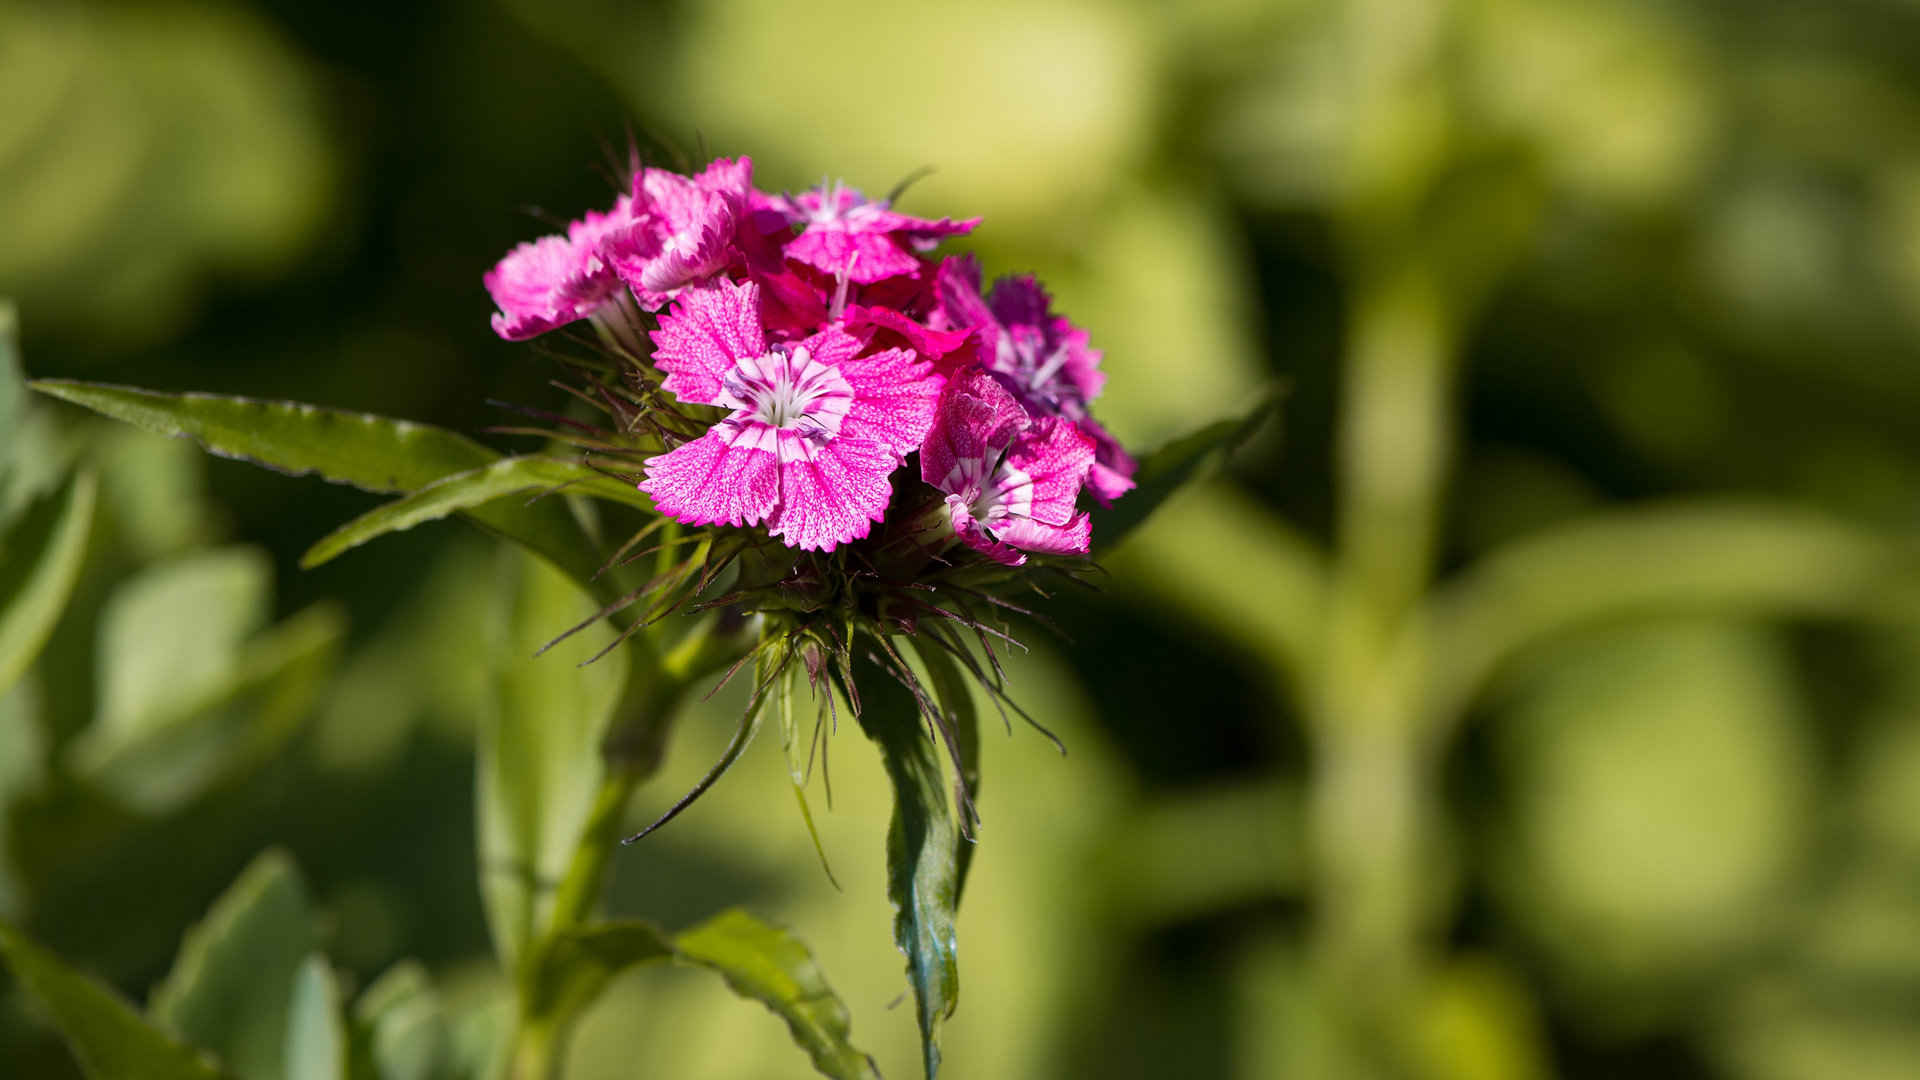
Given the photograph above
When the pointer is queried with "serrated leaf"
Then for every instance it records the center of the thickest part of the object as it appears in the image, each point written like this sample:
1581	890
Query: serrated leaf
373	453
466	490
40	559
110	1039
923	844
400	1026
539	750
232	986
1166	470
775	968
316	1047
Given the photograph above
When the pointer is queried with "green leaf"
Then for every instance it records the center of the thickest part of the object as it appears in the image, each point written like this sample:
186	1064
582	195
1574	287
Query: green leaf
189	693
539	750
956	700
110	1040
373	453
923	844
231	989
775	968
40	559
466	490
13	391
579	961
400	1026
316	1034
1172	467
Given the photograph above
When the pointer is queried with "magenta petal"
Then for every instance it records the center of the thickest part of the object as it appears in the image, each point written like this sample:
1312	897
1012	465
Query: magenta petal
1113	467
708	330
865	257
976	418
1055	456
895	394
971	533
707	482
833	498
1073	538
545	284
956	291
925	340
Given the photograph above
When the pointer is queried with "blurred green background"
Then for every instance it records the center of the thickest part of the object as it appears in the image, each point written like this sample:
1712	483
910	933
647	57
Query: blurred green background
1555	659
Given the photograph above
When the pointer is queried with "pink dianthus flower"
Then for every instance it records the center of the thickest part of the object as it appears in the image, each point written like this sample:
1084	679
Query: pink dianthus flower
1011	480
681	230
1041	357
845	234
816	425
547	283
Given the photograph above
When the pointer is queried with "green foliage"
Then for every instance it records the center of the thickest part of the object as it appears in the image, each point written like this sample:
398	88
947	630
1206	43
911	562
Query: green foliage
399	1027
40	558
110	1039
775	968
463	491
369	452
1172	467
539	763
233	987
923	852
316	1039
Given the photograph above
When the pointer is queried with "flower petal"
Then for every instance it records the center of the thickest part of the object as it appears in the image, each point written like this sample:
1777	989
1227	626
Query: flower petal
708	482
707	332
834	497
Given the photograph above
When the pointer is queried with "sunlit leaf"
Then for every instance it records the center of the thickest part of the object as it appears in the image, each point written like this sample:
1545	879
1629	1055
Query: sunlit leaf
400	1025
539	751
466	490
923	842
316	1033
232	986
40	558
775	968
373	453
578	962
1171	467
110	1040
951	691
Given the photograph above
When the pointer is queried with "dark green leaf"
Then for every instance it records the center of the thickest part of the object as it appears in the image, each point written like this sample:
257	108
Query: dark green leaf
373	453
110	1040
13	391
232	986
923	844
950	689
40	558
775	968
466	490
316	1033
1171	467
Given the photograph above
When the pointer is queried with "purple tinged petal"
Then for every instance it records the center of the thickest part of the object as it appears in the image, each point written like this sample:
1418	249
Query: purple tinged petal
1053	456
957	303
1113	467
975	420
1073	538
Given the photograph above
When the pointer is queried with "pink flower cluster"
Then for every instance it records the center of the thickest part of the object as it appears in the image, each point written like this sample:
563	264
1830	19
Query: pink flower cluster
836	346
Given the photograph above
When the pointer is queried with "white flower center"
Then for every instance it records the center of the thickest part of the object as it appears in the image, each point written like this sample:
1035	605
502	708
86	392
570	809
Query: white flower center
785	402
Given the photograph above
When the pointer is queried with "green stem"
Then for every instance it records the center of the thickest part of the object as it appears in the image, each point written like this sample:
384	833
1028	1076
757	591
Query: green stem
1370	795
632	752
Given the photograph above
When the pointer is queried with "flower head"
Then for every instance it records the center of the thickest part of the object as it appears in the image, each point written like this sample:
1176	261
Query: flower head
1010	480
682	228
547	283
844	233
1041	357
815	426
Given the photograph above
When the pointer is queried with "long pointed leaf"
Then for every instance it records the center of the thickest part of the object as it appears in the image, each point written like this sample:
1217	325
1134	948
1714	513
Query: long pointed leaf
923	845
465	491
40	559
373	453
1172	467
110	1040
777	969
956	700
